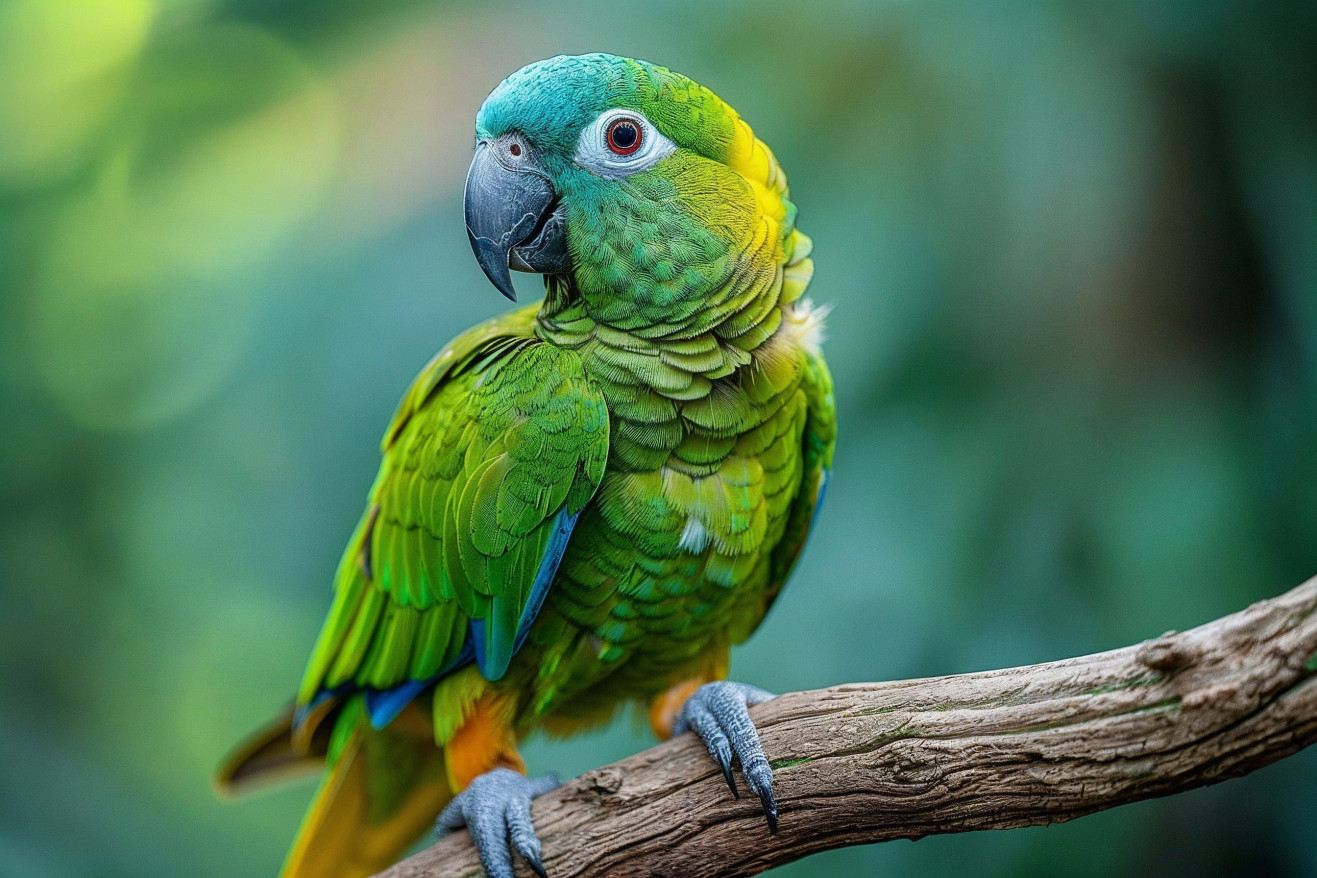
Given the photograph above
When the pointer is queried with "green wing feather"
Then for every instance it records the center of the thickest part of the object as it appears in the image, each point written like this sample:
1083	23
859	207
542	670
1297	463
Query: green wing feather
819	440
497	436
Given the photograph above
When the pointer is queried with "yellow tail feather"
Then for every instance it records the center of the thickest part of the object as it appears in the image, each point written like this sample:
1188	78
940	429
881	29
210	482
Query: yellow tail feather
383	792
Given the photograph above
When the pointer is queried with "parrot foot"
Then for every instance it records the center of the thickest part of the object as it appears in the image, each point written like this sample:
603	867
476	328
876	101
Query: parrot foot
495	807
717	713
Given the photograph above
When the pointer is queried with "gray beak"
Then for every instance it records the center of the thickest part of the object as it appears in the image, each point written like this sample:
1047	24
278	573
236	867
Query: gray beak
511	216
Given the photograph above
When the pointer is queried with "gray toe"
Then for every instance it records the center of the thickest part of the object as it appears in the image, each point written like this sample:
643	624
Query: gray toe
495	809
717	713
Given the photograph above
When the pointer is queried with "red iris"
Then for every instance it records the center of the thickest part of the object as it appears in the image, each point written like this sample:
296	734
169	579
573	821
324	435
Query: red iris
624	136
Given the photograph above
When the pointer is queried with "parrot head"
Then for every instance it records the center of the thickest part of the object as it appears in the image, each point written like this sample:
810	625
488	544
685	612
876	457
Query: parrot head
639	186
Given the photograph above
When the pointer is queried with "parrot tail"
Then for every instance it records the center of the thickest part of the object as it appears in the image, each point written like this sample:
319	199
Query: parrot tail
271	755
381	792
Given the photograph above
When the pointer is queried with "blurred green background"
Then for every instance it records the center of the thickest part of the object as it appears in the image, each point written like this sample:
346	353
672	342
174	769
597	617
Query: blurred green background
1073	253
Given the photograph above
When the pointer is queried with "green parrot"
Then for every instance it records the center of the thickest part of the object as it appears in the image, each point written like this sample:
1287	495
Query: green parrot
583	503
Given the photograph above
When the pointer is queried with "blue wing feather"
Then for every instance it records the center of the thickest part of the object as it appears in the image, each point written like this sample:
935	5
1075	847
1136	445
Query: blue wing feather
384	705
494	664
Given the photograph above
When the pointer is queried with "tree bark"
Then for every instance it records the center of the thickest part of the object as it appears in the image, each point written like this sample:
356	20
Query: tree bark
868	762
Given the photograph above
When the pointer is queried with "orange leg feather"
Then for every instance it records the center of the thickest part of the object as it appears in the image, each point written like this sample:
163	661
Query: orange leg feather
483	742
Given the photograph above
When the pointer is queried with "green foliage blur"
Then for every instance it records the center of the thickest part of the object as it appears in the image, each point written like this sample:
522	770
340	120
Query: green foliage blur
1072	249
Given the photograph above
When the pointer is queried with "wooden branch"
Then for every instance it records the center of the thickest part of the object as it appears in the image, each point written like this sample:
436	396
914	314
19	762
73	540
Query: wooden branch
995	750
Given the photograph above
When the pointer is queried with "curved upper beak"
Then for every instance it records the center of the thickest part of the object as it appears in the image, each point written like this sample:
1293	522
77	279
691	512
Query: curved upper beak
511	218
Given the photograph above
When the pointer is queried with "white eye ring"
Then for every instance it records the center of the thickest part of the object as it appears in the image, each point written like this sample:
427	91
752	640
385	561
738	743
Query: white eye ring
594	154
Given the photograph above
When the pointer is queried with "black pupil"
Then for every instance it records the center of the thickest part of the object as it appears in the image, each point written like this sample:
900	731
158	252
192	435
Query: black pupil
624	135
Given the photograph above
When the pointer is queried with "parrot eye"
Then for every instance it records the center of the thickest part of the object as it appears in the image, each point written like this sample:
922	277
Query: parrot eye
624	136
621	142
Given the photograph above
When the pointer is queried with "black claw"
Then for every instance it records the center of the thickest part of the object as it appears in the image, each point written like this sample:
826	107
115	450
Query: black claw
759	775
731	781
720	749
770	811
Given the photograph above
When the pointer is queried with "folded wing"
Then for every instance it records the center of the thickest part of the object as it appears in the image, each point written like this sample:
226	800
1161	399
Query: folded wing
494	452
